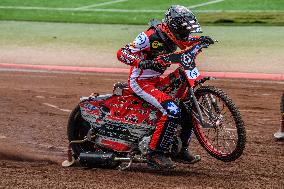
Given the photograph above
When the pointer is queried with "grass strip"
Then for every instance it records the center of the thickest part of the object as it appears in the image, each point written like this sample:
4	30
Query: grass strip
220	18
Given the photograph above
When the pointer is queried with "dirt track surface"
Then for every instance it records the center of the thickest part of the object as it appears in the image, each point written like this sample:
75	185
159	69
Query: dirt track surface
33	137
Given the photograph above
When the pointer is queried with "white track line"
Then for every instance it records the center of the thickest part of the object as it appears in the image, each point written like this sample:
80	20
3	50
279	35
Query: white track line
118	1
100	4
204	4
56	107
37	8
136	11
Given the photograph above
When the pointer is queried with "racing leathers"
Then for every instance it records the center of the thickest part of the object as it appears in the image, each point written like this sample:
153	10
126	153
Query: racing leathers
144	78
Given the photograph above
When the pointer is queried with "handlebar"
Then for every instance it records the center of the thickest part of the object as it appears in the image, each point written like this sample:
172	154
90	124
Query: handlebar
168	59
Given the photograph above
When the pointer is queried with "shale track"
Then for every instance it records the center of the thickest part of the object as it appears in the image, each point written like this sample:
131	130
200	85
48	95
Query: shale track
33	143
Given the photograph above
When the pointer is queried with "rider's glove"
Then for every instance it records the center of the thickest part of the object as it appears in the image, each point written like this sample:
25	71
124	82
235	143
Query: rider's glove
145	64
153	65
206	39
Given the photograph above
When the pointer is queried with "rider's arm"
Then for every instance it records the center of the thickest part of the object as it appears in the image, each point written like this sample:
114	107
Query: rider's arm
126	56
132	54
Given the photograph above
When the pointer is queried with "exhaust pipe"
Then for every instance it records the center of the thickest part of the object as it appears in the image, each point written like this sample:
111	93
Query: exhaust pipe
103	159
93	159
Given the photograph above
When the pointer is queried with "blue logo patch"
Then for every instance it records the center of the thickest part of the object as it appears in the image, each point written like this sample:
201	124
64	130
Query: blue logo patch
91	107
172	108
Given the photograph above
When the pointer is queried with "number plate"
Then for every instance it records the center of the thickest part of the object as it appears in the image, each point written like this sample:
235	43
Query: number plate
192	74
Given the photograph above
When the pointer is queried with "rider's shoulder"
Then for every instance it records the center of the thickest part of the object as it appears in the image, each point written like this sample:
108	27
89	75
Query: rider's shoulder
142	40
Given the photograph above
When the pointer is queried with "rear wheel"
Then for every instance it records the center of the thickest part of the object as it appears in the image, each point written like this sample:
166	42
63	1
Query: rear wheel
77	129
223	133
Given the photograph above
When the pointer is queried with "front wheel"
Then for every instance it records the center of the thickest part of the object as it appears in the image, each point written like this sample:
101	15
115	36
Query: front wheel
222	133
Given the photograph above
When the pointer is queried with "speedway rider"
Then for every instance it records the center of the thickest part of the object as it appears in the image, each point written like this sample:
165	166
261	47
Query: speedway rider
162	38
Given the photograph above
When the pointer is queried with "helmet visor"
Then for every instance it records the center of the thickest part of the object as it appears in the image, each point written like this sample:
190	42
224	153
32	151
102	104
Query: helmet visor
185	29
194	26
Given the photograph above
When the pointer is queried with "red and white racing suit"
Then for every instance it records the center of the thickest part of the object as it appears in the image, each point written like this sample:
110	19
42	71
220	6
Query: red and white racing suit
143	82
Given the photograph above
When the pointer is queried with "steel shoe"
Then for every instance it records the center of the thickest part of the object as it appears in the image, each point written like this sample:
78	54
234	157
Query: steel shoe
160	160
185	156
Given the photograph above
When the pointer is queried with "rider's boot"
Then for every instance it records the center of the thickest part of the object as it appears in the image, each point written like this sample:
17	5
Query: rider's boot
185	156
159	160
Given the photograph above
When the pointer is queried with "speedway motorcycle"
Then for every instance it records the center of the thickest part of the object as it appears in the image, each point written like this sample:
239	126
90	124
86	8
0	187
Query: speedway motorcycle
114	130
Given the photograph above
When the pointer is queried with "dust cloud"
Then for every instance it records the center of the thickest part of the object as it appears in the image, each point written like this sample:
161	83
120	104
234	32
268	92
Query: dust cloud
22	154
